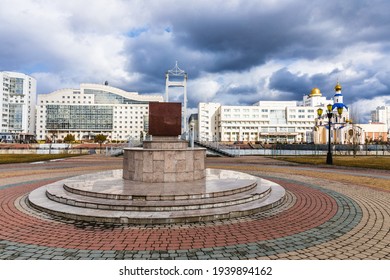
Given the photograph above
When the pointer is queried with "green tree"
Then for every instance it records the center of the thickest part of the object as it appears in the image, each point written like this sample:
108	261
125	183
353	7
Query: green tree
69	138
100	138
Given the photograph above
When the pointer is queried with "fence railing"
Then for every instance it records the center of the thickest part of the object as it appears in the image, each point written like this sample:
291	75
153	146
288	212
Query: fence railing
274	150
309	149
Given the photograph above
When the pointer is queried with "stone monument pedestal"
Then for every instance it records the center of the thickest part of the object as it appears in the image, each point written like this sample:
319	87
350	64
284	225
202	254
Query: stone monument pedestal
163	182
164	160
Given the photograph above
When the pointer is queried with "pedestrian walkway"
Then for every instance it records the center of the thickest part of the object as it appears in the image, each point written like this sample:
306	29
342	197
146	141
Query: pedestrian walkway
326	215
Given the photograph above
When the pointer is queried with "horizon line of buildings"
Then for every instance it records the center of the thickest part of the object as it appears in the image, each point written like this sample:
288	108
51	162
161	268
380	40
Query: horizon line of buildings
287	122
120	115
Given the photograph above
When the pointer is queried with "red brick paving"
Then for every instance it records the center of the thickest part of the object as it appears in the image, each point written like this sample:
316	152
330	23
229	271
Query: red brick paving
311	208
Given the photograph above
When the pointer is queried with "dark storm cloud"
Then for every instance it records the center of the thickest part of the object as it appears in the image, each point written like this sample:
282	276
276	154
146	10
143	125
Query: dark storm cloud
237	95
230	39
294	86
220	39
250	34
269	50
240	89
285	81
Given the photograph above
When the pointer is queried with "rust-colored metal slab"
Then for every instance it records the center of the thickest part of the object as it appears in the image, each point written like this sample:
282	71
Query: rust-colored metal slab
164	118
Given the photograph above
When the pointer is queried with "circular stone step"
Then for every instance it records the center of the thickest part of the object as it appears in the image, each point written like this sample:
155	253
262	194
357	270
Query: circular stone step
106	197
61	195
111	185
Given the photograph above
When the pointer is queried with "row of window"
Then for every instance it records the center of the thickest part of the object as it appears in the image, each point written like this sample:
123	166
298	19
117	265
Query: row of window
113	132
255	110
266	129
126	112
130	127
237	110
301	110
66	102
301	117
78	97
245	116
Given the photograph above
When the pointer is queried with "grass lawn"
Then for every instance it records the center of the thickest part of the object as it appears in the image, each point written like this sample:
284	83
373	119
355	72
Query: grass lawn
20	158
380	162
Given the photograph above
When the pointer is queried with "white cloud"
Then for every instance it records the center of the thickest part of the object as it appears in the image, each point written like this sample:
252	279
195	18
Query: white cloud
50	81
230	49
203	89
81	41
362	108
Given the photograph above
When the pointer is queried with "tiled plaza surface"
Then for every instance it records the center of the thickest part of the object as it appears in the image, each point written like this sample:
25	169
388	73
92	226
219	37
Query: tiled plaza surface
325	216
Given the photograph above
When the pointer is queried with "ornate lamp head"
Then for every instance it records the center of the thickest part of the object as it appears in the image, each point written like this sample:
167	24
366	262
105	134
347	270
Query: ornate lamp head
319	112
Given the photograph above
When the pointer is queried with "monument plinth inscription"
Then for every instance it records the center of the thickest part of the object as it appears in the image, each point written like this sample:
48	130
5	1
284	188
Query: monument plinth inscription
164	159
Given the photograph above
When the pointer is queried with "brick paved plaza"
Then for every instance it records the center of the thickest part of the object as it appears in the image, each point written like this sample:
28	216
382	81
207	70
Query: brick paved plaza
329	213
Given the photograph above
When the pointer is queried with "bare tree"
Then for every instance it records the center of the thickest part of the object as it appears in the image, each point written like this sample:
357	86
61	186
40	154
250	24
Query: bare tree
354	133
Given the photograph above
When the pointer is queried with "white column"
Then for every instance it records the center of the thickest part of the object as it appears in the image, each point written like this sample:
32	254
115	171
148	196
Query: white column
185	105
166	86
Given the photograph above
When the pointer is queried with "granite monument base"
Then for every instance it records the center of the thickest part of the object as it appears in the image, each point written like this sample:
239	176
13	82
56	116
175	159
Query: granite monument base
164	160
107	197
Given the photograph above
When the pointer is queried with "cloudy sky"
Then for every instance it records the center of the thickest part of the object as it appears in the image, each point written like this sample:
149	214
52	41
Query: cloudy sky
234	51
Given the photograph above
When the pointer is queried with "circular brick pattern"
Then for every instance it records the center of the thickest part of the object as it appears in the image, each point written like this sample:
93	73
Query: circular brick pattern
311	218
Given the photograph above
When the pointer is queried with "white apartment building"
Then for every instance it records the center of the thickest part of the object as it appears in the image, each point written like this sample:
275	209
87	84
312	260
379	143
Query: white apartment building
93	109
264	121
381	115
207	125
17	104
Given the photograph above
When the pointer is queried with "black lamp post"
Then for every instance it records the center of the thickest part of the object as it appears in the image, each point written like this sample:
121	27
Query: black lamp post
329	114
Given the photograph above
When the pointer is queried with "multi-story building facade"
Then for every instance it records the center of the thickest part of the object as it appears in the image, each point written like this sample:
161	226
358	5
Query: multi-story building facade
264	121
17	104
206	128
93	109
381	115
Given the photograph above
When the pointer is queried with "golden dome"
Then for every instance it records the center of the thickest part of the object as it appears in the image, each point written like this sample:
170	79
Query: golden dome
315	92
337	87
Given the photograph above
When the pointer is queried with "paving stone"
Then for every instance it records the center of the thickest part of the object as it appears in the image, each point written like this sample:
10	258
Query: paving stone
355	230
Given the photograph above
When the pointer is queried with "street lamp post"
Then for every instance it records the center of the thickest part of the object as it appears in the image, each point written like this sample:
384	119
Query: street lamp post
329	115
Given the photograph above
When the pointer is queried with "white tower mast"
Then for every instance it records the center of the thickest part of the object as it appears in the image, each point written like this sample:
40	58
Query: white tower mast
177	72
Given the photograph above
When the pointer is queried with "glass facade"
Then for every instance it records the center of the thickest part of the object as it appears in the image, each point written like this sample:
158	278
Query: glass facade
15	116
277	117
79	117
16	86
105	97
